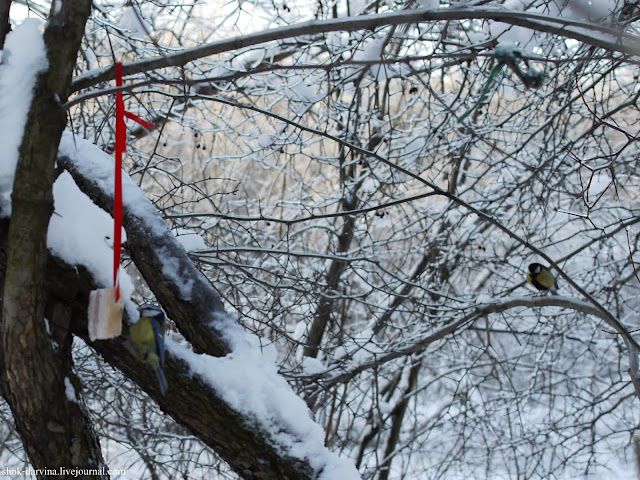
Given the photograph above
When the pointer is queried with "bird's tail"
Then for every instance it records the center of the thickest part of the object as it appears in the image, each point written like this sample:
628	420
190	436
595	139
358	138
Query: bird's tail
162	380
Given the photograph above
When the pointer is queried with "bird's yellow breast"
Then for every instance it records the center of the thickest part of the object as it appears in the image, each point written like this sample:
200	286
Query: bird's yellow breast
142	332
545	279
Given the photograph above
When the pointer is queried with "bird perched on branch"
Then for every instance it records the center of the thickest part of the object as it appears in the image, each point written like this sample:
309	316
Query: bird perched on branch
540	277
146	341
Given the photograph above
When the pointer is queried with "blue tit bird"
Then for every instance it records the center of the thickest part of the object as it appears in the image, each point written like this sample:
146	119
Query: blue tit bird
146	341
540	277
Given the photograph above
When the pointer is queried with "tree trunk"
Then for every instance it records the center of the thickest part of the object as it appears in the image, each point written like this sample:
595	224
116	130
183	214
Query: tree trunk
39	383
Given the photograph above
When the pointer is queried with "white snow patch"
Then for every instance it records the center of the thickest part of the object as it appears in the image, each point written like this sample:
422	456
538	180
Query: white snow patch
269	352
189	240
266	140
312	366
23	57
98	165
171	271
372	51
301	328
69	391
297	91
81	234
134	21
429	3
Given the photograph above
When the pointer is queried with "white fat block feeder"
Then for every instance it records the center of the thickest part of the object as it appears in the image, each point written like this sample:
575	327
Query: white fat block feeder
105	314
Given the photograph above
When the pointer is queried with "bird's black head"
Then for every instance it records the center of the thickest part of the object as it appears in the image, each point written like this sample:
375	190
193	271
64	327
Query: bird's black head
535	268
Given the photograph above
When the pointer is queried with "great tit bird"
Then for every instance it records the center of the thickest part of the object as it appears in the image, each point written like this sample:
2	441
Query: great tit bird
540	277
146	341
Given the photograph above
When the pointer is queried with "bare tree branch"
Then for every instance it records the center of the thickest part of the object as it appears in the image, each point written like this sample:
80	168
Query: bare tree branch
606	37
327	379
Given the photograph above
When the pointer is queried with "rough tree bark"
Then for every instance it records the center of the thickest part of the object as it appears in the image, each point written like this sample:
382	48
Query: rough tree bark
36	374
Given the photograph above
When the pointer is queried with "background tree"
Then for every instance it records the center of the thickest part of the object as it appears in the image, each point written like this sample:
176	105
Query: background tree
370	192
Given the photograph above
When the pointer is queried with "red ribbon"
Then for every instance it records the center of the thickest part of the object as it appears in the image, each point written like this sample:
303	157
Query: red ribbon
121	145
